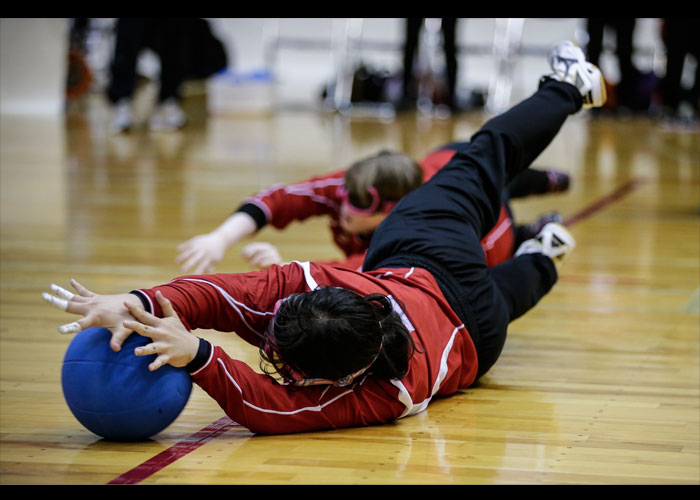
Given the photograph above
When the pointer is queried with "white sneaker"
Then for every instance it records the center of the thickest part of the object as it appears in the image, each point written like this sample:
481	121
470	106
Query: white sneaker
121	118
168	116
569	65
553	240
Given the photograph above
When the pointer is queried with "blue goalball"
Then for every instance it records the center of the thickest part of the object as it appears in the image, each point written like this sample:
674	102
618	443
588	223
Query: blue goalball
113	394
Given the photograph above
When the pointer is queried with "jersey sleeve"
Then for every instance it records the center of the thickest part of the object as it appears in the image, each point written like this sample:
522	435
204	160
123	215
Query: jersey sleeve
264	406
282	204
242	303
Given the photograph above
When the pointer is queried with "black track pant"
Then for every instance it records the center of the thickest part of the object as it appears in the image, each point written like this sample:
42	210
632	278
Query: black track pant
170	38
439	226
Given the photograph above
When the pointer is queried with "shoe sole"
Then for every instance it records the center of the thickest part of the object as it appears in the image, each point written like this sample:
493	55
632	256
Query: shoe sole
589	101
559	234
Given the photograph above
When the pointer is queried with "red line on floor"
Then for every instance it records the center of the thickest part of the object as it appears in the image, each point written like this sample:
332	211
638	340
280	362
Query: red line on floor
178	450
604	202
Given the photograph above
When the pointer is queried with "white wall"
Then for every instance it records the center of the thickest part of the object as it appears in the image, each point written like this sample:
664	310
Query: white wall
33	60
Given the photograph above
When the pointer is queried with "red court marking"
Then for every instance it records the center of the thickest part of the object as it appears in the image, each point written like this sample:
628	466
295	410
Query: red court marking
179	450
602	203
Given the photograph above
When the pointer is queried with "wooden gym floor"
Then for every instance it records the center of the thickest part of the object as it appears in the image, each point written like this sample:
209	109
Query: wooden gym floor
599	384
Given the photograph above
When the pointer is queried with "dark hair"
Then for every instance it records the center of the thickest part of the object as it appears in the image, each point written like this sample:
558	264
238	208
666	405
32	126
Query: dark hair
392	174
332	332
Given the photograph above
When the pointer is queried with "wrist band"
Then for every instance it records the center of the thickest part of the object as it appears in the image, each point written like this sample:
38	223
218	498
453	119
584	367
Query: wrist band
202	356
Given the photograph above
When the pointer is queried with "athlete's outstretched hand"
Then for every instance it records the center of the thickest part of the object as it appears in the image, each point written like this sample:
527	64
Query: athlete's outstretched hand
108	311
261	255
202	253
172	343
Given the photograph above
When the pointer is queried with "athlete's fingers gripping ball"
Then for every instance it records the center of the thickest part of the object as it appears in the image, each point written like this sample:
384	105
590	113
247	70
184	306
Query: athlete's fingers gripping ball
171	341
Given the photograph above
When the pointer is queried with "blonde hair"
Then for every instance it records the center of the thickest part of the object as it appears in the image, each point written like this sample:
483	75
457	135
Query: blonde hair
392	174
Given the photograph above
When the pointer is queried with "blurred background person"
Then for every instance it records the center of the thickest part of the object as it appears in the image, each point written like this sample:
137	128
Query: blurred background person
185	48
681	39
624	94
448	29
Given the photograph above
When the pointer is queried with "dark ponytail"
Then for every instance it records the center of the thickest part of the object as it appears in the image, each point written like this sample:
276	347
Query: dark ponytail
330	333
398	346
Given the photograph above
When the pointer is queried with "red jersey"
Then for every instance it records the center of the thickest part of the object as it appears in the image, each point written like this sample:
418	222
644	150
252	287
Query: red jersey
243	303
320	196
